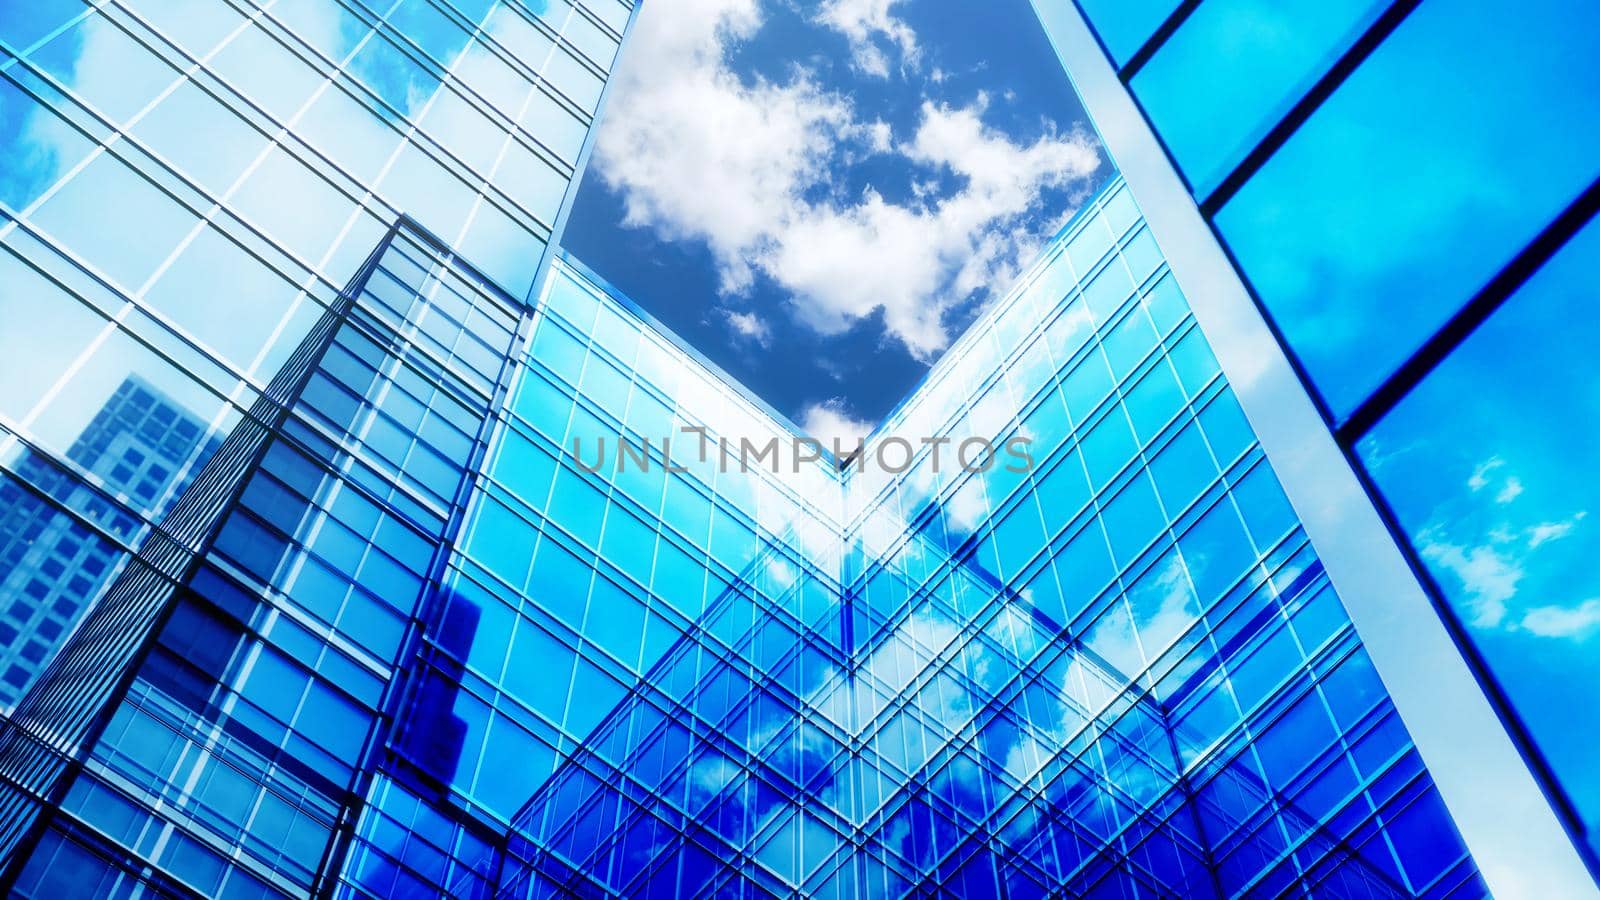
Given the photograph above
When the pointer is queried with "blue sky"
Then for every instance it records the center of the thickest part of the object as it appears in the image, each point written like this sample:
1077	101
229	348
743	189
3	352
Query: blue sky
819	197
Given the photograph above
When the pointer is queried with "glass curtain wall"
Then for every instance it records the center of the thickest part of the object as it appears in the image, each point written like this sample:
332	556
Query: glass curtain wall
434	647
1404	188
322	589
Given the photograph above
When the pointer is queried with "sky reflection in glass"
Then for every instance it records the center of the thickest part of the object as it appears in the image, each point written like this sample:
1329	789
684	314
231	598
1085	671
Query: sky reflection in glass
1415	182
1502	516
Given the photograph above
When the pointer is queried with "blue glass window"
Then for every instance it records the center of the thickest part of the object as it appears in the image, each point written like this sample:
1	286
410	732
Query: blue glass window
1062	492
1505	516
514	763
525	468
1108	448
430	29
1416	182
1163	604
502	541
1154	401
1083	568
1132	518
1259	57
1087	386
1183	469
129	255
1106	293
36	146
1216	551
1225	428
560	583
1125	25
741	665
577	506
539	670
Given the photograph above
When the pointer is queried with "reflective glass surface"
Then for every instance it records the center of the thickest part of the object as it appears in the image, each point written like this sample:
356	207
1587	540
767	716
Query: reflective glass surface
1420	177
138	445
1125	25
1259	57
185	187
1501	517
1412	193
247	721
981	683
513	667
251	165
342	558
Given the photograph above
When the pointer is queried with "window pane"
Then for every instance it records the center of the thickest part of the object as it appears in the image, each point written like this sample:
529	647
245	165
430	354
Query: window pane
39	355
225	298
1503	515
1415	182
216	162
36	147
1124	25
126	251
1259	57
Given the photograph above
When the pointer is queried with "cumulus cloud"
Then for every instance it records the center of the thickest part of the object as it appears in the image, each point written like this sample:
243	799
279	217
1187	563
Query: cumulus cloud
844	261
1511	490
869	26
1579	622
745	165
1488	575
832	424
695	152
1479	479
1545	532
880	137
749	325
1491	562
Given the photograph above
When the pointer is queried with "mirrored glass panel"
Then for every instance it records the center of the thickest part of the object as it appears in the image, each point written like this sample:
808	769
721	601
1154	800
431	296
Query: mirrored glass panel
1502	517
1417	181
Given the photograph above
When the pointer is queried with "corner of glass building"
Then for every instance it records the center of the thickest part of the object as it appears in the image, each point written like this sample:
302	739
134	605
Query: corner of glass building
358	540
1354	304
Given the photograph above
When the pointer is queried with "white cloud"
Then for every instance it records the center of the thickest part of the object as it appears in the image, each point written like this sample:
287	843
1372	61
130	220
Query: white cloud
745	166
880	137
869	25
843	262
1492	561
709	774
1172	615
966	508
830	423
698	154
1564	622
1480	475
1545	532
1511	490
1488	576
749	325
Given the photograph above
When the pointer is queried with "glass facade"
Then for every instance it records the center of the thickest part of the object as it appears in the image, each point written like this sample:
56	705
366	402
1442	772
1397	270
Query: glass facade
243	741
361	542
1406	190
56	565
1123	671
426	650
1500	515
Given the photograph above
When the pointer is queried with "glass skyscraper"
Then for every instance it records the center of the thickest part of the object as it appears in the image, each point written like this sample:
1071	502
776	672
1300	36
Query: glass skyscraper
360	541
53	564
1391	205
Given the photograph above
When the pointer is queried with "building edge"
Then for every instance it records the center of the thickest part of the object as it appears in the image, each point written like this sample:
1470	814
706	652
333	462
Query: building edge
1516	837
